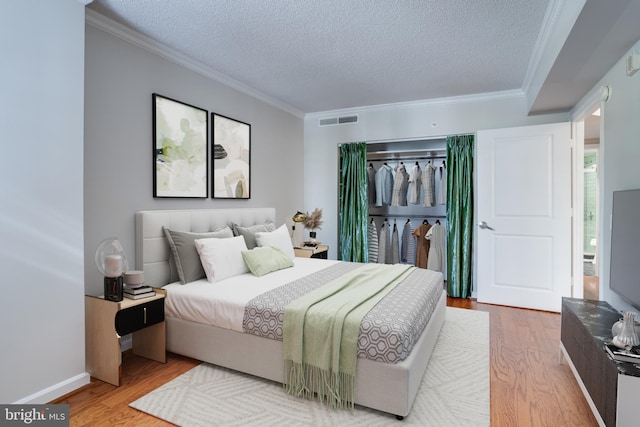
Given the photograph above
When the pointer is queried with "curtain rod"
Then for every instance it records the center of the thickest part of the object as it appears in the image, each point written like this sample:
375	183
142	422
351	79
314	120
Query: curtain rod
392	140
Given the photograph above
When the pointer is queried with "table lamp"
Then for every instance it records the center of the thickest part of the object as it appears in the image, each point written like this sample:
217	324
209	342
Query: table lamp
112	264
298	232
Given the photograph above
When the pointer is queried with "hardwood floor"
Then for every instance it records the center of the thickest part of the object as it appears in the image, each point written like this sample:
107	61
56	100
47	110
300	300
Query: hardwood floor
529	387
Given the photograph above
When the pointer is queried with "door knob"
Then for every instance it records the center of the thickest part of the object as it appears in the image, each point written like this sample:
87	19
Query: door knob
483	225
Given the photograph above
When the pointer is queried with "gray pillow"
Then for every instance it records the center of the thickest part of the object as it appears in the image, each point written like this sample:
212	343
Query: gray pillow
184	252
249	233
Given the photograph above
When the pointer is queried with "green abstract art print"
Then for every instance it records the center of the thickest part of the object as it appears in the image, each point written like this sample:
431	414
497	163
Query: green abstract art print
181	158
231	158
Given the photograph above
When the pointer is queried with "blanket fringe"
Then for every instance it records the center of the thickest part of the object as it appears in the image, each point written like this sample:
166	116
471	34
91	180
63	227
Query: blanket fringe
335	388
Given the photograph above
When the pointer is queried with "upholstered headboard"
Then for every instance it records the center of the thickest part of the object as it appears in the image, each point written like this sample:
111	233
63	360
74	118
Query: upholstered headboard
152	249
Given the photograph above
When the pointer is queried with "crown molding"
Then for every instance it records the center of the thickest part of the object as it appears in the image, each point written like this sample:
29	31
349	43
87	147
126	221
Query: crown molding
464	99
114	28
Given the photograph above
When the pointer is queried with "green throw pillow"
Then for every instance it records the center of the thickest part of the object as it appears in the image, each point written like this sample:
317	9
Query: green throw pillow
266	259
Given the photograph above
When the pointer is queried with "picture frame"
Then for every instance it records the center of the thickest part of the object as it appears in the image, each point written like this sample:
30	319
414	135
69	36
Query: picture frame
231	154
180	149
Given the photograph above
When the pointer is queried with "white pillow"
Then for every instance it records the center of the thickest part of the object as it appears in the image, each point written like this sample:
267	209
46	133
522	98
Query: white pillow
279	238
222	258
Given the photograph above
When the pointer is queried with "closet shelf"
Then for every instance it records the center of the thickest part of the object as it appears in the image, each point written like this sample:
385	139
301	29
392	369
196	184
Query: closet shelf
407	155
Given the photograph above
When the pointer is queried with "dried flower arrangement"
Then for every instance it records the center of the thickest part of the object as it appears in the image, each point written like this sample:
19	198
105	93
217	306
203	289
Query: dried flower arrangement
314	220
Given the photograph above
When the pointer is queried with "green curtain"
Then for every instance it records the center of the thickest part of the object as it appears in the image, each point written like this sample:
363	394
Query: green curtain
459	215
353	204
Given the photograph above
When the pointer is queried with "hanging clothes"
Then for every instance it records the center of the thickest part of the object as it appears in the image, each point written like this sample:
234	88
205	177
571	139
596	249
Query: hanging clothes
373	241
384	185
436	236
400	186
422	244
395	245
442	190
429	185
384	243
371	182
408	249
415	184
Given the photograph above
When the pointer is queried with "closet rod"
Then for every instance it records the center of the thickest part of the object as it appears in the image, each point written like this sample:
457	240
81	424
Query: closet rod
406	158
407	216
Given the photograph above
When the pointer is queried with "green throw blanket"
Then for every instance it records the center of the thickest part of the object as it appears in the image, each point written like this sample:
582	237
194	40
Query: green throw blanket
321	332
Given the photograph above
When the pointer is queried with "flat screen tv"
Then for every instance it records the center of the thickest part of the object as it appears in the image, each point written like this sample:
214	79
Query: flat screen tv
624	277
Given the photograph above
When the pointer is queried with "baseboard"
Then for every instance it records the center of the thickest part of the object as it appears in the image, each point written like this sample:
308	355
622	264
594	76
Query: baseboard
50	394
564	356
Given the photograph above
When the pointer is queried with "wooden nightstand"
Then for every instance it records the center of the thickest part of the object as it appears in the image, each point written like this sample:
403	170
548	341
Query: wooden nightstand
107	321
321	251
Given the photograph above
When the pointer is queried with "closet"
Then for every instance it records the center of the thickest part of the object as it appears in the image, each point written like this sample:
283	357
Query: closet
407	202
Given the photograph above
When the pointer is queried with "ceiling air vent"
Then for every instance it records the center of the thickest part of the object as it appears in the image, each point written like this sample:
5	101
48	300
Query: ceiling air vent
338	121
329	122
347	119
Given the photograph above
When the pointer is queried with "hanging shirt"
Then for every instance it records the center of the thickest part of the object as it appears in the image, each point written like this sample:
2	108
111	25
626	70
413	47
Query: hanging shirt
372	234
442	193
429	185
371	182
384	185
422	245
400	187
395	245
415	184
408	249
384	243
436	235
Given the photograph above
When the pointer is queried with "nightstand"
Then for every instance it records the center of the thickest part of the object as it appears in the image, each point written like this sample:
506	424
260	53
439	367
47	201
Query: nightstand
108	321
321	251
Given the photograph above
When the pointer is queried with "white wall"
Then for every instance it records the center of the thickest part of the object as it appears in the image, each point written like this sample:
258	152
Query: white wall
429	119
41	221
620	153
120	79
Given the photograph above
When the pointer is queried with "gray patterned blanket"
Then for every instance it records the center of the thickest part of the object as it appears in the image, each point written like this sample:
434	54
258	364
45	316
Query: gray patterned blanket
387	333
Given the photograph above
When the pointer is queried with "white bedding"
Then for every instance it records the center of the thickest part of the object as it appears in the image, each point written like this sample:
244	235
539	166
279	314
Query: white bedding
222	303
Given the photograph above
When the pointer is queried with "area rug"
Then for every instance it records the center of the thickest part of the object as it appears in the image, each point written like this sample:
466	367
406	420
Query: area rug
454	390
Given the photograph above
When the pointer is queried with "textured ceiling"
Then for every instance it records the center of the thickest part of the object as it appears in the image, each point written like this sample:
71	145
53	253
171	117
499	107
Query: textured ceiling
320	55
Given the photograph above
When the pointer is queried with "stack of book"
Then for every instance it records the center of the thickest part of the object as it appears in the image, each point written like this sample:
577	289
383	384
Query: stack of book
138	292
632	355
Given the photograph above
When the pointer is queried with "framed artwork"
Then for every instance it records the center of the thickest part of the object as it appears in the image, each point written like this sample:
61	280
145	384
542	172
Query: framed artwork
231	158
180	150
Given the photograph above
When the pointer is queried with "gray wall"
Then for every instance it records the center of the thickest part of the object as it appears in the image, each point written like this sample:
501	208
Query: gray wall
41	222
419	120
120	78
620	151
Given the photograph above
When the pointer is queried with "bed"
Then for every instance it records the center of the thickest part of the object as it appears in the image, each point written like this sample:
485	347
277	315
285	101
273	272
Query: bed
387	387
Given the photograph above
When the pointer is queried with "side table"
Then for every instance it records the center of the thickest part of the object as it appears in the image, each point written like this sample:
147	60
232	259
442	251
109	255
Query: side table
107	321
320	251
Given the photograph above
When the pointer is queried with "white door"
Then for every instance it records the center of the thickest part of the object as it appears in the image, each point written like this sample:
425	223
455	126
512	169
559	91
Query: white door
524	216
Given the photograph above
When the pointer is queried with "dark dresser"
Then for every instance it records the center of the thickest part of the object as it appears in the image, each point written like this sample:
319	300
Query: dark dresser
611	388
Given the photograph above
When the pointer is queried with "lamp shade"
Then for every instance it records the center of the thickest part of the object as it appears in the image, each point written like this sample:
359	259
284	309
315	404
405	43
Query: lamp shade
110	258
299	217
